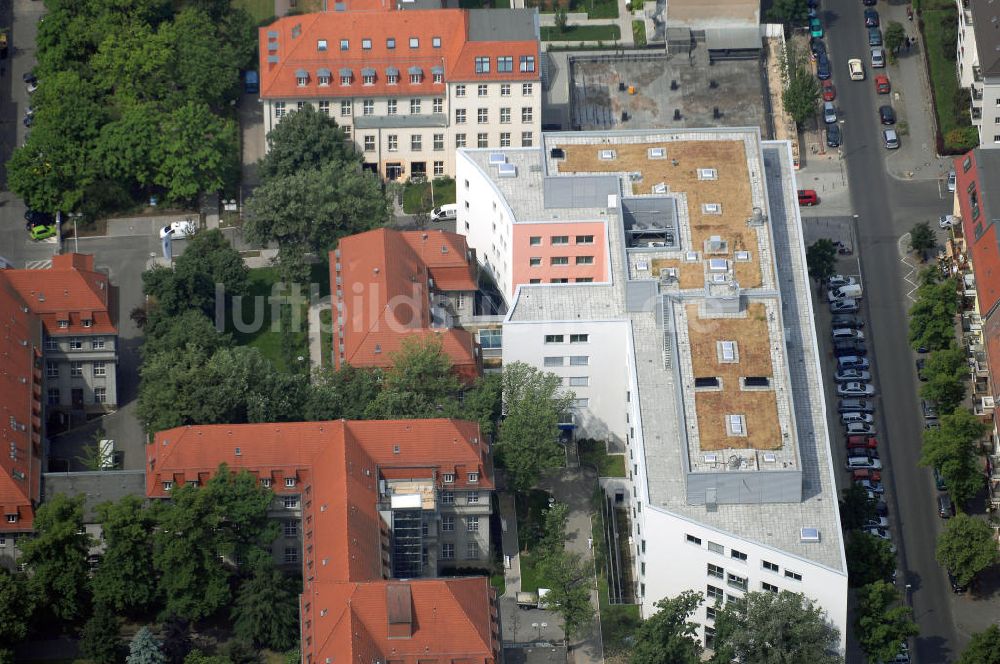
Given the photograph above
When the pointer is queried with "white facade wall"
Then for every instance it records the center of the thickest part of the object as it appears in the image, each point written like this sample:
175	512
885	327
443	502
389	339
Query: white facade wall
603	415
512	118
985	89
486	221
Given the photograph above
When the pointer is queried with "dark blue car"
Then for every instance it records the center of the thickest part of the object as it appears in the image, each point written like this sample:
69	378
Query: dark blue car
823	67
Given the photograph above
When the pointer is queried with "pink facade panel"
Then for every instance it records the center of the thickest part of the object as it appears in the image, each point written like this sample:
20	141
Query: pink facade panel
549	253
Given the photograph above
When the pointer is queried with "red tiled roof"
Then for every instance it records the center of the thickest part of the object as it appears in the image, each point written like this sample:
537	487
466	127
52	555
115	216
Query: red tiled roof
384	275
20	408
69	290
295	46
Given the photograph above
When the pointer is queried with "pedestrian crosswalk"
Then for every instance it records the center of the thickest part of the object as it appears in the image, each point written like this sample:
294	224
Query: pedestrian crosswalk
38	265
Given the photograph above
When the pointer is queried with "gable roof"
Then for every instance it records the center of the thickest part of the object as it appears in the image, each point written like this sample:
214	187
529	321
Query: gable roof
71	290
20	409
304	44
385	277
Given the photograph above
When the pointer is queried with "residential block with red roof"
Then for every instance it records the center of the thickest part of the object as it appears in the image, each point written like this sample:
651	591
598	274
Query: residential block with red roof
409	85
361	504
392	285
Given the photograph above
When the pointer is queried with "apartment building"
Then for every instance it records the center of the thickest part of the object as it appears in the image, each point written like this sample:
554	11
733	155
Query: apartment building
979	65
392	285
72	300
409	86
977	203
695	353
21	384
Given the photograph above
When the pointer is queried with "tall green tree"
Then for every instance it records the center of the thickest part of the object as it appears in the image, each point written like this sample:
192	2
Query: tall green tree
983	648
57	557
947	373
532	404
821	258
952	449
895	35
883	625
51	170
126	145
125	580
145	649
211	254
132	63
16	606
922	238
870	559
198	152
240	506
668	636
420	382
801	89
166	333
764	627
483	403
101	642
344	393
205	67
789	12
932	316
966	547
266	611
304	140
856	508
572	580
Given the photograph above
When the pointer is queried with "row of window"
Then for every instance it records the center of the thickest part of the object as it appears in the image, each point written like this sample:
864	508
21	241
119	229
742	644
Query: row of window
75	343
483	90
740	556
97	369
64	324
555	240
483	114
449	478
564	280
448	497
448	524
505	63
561	338
536	261
55	395
366	43
574	361
471	550
417	141
367	78
733	580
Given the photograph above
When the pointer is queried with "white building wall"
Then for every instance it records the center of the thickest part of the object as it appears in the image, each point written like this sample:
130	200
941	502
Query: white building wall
604	417
486	222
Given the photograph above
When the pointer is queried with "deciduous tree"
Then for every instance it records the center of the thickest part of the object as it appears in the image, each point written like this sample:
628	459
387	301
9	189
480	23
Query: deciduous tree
983	648
789	12
101	642
572	581
344	393
882	624
667	636
205	67
197	153
125	580
304	140
16	606
869	559
966	547
801	89
266	611
420	382
947	373
932	316
856	508
951	448
922	238
821	258
895	35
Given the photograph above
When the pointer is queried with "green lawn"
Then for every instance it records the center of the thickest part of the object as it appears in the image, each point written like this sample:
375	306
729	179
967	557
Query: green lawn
281	347
582	33
530	508
499	582
326	320
639	33
599	8
938	21
417	196
594	453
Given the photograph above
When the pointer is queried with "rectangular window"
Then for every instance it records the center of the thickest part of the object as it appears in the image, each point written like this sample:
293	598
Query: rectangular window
459	116
472	478
279	111
392	141
447	498
554	361
51	370
390	43
585	239
414	42
324	107
472	550
482	65
416	78
100	369
534	281
560	239
345	108
738	555
770	567
447	551
716	548
447	524
534	262
472	498
390	107
505	139
290	502
438	77
265	482
416	142
738	582
368	79
714	593
584	260
554	338
414	107
63	324
368	107
167	486
505	89
535	240
562	280
716	571
448	478
768	587
291	528
579	338
366	44
793	575
460	90
369	144
97	343
289	482
51	344
438	142
527	89
483	116
482	90
693	540
559	260
505	63
54	395
459	140
75	344
527	63
482	140
392	79
505	115
76	369
345	45
436	42
88	323
345	79
710	613
472	524
437	106
438	168
579	360
584	280
291	555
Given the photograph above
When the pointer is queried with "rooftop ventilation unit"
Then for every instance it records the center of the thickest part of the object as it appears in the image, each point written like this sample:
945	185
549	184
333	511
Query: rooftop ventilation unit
691	256
711	208
711	458
668	274
757	217
743	256
508	171
708	174
497	158
660	188
770	457
606	155
809	535
718	265
657	153
728	351
557	153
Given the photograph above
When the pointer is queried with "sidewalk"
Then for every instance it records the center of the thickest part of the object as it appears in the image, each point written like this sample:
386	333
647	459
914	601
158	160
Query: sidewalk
315	332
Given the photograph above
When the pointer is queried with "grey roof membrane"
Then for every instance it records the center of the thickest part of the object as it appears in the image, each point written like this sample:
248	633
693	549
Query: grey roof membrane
97	487
502	24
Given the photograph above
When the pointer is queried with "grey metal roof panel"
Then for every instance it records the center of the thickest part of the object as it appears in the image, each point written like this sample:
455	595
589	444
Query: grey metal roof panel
415	70
98	487
323	71
346	71
502	24
437	69
985	18
367	71
301	73
392	71
579	191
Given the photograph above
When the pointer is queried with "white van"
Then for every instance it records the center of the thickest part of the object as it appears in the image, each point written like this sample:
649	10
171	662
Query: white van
860	429
854	417
852	362
843	333
445	213
852	291
855	462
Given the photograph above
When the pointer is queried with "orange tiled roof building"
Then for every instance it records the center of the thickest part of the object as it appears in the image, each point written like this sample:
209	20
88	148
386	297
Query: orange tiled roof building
389	285
363	503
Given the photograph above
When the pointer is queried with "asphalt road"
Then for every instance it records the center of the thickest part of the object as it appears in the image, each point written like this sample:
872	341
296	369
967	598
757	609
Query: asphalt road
886	208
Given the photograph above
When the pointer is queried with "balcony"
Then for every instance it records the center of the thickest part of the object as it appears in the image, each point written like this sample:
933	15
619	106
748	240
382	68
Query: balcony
976	113
977	93
977	73
984	406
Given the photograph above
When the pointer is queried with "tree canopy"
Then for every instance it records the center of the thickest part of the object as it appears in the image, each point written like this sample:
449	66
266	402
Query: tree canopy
870	559
266	611
801	88
821	258
15	612
932	316
947	373
667	636
983	648
922	238
952	449
966	547
883	625
125	580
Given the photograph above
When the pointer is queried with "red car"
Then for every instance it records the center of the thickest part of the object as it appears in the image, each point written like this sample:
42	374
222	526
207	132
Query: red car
882	84
862	441
866	474
808	197
829	91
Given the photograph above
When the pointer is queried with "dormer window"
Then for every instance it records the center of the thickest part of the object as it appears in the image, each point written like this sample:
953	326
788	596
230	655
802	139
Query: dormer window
63	324
391	76
473	478
88	323
301	78
11	518
368	76
448	478
366	44
439	78
345	80
168	485
323	76
390	43
483	65
289	482
416	75
265	482
345	44
320	44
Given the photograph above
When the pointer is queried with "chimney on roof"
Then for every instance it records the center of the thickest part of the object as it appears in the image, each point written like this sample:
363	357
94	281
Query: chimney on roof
399	610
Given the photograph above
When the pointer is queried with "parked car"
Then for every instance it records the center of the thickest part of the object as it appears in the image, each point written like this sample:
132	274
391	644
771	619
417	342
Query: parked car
847	306
852	291
890	139
877	522
882	85
829	91
847	320
178	229
880	533
860	429
946	509
929	410
834	136
815	28
878	58
445	212
871	485
37	218
947	221
818	47
860	405
951	179
853	362
866	474
843	333
854	462
939	482
955	586
849	375
838	280
251	82
829	112
871	18
855	389
858	450
920	369
42	231
874	37
823	67
857	418
856	69
808	197
28	120
850	347
886	115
